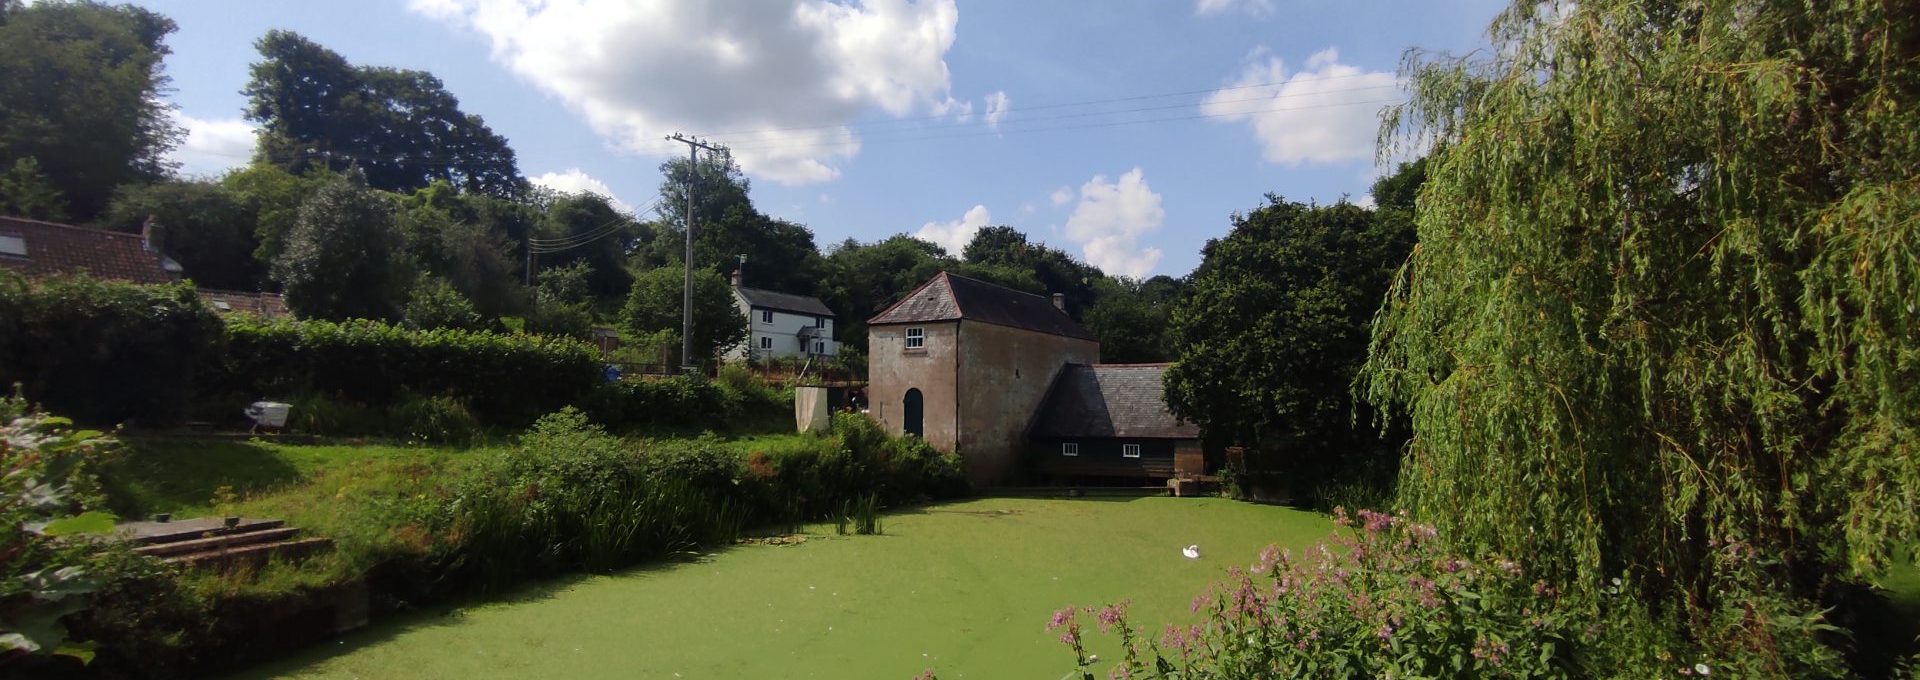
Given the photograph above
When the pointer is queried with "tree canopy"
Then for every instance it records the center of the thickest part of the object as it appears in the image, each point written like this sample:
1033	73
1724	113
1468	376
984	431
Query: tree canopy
653	309
344	259
81	97
402	128
1661	315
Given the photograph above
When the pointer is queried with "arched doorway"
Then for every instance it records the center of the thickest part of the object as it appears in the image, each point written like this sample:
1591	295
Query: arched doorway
916	414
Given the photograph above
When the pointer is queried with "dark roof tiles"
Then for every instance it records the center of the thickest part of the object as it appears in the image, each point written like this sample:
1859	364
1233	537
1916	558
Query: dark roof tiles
950	297
1110	401
56	249
784	302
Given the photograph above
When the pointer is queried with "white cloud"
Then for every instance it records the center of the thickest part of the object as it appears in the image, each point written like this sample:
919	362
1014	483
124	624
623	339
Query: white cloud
1258	8
1110	219
997	108
1061	196
576	181
212	146
1323	114
745	71
954	236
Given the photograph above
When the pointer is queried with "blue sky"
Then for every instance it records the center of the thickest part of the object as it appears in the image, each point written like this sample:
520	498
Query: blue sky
875	117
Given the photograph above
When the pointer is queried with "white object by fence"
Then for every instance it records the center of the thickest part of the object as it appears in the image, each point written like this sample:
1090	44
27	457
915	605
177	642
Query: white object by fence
269	413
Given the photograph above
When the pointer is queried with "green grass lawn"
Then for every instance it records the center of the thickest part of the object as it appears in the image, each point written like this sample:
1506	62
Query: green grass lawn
964	588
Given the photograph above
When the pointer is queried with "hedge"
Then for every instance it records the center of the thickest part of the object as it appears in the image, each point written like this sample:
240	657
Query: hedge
504	379
104	351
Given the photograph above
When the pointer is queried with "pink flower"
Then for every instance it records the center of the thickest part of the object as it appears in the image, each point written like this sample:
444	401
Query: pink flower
1061	618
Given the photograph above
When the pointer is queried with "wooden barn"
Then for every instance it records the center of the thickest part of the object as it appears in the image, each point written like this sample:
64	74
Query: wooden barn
1108	423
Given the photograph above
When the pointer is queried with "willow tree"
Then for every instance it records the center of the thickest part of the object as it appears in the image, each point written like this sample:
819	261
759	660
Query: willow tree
1661	320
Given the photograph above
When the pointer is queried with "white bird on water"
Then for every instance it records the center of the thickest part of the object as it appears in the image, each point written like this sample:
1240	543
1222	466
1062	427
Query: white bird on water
1192	552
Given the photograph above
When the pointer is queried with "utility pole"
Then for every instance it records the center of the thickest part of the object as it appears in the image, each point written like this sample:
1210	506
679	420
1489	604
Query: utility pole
694	145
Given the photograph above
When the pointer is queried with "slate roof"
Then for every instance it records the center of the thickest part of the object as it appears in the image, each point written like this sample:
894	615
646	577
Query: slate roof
1109	401
54	249
785	302
950	297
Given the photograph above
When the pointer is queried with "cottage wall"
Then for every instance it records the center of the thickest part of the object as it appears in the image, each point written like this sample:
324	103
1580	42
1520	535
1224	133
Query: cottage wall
892	369
1005	373
783	330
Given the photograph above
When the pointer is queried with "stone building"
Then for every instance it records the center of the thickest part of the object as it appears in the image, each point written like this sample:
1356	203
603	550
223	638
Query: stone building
966	364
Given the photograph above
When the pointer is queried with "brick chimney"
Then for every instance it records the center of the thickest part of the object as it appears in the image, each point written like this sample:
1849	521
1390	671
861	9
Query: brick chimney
1060	301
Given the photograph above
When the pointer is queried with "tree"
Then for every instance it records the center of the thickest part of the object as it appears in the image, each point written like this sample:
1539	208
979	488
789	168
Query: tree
1131	319
436	304
399	127
273	197
343	258
1660	321
25	191
587	219
81	95
1273	330
204	226
653	309
781	255
1004	255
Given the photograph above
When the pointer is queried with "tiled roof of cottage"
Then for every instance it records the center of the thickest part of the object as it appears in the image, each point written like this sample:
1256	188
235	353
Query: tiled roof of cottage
950	297
1108	401
55	249
785	302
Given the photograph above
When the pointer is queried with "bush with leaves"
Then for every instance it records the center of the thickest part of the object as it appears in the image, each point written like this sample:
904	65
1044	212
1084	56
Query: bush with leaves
47	492
104	351
1385	598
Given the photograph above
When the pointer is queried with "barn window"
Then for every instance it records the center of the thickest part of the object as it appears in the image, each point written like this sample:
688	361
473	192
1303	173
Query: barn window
766	342
1130	450
1070	449
766	317
916	338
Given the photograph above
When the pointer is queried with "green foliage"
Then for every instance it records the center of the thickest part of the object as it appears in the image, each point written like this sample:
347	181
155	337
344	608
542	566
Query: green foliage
47	475
435	304
780	255
203	225
1131	319
862	279
401	128
1273	331
343	259
409	418
81	97
25	191
272	197
503	379
1386	599
688	404
1665	286
104	351
588	217
655	304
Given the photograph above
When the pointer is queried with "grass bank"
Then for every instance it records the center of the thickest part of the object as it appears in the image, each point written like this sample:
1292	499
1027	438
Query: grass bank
965	588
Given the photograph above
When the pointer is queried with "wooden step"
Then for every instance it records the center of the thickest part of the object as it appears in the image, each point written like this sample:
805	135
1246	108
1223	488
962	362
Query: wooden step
254	554
149	533
218	541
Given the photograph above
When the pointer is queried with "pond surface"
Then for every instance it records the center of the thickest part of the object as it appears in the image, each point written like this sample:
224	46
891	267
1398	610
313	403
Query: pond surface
962	588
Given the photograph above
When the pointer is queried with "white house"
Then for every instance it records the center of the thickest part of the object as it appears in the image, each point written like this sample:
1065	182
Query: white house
781	325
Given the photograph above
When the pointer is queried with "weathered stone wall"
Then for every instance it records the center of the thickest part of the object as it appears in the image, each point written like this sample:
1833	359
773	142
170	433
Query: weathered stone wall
892	369
1004	375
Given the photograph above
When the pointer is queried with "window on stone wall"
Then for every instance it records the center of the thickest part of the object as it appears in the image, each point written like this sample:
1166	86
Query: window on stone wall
916	338
1070	449
766	317
1130	450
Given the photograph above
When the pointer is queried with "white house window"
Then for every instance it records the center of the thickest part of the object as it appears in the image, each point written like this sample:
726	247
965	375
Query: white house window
766	342
819	348
1130	450
1070	449
766	317
916	338
819	322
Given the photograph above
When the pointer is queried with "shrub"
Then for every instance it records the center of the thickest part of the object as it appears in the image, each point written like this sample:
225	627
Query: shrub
1386	599
503	379
690	403
101	351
